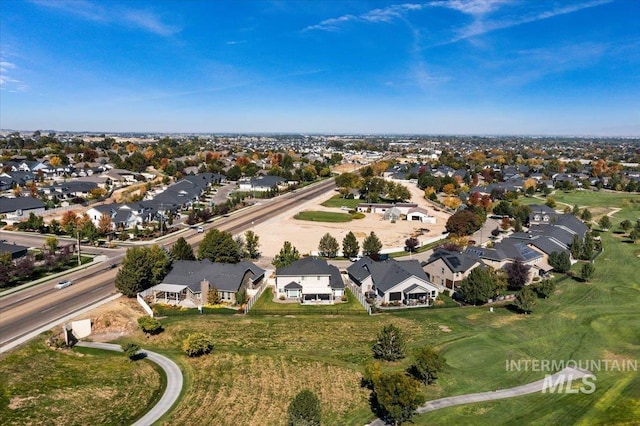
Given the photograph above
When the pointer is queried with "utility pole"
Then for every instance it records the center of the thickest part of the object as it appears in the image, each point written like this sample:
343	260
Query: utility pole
78	237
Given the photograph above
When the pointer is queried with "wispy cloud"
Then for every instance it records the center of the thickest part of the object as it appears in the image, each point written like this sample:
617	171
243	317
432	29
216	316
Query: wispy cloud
471	7
480	26
234	42
384	15
141	19
7	82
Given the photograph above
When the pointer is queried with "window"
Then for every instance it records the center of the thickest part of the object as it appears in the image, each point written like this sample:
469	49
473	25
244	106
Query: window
442	271
281	290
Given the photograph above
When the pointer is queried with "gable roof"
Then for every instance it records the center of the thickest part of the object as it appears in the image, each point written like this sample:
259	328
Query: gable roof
223	276
313	266
8	205
455	261
388	273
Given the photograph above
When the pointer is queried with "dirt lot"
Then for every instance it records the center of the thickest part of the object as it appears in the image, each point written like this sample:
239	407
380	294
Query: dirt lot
305	235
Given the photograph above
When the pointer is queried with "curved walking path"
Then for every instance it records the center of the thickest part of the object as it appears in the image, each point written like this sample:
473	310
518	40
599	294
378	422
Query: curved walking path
174	381
567	374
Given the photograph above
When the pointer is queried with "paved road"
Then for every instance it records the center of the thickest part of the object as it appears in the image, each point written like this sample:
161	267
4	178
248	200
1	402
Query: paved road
564	375
174	381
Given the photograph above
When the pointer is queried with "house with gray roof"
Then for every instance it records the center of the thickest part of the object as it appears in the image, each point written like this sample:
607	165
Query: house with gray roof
19	208
190	282
310	280
394	282
263	183
449	268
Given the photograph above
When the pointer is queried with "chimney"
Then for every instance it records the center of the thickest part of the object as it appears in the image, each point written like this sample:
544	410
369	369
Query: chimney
204	291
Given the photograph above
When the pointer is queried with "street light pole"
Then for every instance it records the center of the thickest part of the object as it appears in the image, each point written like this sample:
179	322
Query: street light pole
78	237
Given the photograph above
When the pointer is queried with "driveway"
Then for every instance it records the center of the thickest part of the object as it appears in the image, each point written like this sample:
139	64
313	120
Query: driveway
174	381
564	375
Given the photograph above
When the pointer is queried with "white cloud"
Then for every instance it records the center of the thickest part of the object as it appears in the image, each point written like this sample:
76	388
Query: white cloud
7	82
385	15
141	19
479	26
471	7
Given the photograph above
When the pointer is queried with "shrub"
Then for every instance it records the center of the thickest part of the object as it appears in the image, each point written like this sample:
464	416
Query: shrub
197	344
149	325
358	215
304	409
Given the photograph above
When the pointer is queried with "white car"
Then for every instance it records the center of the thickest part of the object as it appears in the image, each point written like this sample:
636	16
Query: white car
62	284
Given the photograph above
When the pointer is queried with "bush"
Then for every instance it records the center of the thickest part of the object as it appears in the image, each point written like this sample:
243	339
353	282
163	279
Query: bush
358	215
149	325
304	409
197	344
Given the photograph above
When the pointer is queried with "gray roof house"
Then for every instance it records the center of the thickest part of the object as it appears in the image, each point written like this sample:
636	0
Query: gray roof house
190	281
20	207
394	282
449	268
310	280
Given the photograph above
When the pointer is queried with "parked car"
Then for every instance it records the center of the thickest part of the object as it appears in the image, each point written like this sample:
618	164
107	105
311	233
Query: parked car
62	284
200	229
355	258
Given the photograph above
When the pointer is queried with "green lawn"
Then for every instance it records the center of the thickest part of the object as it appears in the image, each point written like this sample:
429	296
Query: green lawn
316	216
261	361
266	306
337	201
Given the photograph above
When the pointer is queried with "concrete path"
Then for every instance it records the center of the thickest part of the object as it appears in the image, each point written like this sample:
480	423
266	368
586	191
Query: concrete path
174	381
533	387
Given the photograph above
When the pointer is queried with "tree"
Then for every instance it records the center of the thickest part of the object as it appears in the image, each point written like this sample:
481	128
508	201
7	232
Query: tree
182	250
517	274
634	235
505	223
587	271
88	230
411	244
149	325
525	299
605	222
52	244
371	245
214	297
560	262
130	350
427	365
586	215
219	246
328	246
287	255
390	345
503	208
517	226
588	246
625	225
398	396
551	202
544	288
252	241
479	286
463	222
197	344
142	267
350	246
576	247
304	409
105	225
69	222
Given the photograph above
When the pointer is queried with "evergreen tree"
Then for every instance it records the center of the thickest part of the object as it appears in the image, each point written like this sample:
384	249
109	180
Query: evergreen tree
576	247
427	365
390	345
525	299
328	246
181	250
219	246
587	247
350	246
587	271
560	262
304	409
605	222
371	245
142	267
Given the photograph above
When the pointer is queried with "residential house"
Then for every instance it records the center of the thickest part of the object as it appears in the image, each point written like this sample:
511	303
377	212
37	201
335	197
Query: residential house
263	183
16	251
309	279
190	282
449	268
419	214
393	281
17	209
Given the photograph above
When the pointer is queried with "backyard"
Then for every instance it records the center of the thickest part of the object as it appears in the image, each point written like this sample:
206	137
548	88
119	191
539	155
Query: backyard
261	361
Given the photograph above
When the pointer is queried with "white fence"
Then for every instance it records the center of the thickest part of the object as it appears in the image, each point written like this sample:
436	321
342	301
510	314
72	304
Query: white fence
256	296
356	292
144	305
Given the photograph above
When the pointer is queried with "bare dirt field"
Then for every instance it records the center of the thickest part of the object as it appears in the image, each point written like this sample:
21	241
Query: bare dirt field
305	235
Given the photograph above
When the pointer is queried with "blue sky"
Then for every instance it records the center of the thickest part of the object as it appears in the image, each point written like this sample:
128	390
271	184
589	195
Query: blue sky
434	67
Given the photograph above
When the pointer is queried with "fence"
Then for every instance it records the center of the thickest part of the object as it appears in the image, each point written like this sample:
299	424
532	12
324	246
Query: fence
324	310
144	305
255	297
355	290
